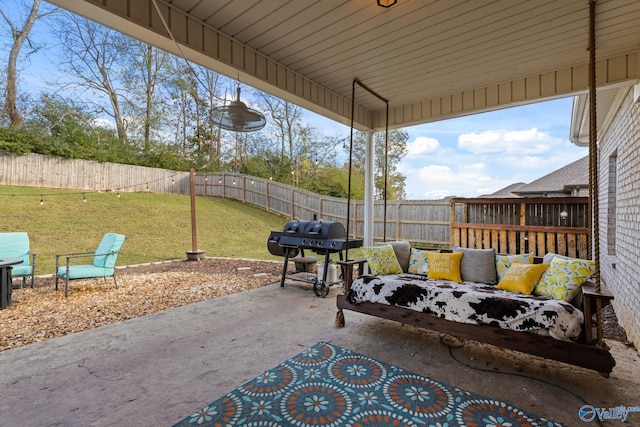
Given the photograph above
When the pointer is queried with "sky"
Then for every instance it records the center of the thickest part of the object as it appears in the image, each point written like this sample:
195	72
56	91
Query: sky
463	157
483	153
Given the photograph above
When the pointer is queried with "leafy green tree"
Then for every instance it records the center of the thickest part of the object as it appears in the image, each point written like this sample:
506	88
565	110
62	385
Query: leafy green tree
397	149
67	129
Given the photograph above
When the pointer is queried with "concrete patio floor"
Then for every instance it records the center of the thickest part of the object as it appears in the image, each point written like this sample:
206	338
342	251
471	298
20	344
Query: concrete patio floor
156	370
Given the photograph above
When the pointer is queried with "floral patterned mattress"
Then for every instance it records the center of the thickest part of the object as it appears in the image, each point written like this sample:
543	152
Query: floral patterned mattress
473	303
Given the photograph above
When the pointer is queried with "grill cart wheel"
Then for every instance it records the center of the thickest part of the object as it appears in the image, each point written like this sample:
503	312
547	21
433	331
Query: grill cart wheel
320	288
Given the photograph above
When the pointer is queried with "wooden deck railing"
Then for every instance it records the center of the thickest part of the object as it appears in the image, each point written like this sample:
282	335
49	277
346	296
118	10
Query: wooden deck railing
514	239
522	238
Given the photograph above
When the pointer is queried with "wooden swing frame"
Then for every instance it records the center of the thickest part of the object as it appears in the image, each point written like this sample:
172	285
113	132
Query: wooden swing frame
589	353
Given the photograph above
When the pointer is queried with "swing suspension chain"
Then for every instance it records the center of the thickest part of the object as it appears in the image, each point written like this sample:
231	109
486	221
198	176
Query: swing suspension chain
593	168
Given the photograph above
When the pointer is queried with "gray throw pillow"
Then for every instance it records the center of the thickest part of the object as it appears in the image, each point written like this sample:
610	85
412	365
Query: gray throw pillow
550	256
402	248
478	265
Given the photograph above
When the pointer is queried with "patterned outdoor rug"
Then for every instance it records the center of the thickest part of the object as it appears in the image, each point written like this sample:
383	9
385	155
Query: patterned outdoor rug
329	386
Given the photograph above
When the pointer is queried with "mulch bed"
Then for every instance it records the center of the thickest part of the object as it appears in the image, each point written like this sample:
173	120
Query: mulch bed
43	313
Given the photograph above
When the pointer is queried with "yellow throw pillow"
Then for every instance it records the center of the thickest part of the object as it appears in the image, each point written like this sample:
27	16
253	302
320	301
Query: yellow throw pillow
564	277
444	266
382	260
419	262
503	262
522	278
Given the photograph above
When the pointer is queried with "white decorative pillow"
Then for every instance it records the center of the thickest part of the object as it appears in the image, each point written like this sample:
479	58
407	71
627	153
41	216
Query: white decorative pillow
382	260
419	261
563	278
503	262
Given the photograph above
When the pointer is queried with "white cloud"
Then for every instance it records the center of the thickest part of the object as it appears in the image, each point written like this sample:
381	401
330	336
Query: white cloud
104	123
527	141
439	181
423	146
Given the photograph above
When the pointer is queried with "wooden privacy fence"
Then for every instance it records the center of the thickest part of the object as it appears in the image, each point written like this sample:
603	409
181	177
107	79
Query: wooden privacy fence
423	222
37	170
511	226
517	226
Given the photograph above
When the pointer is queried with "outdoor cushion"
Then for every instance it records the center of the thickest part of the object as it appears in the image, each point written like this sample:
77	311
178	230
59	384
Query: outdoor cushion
402	248
548	257
104	261
503	262
382	259
111	242
522	278
21	270
564	278
16	245
478	265
444	266
84	272
419	261
473	303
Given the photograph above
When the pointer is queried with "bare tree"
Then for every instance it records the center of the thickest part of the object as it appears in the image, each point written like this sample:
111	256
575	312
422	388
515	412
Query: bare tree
285	117
210	81
94	54
19	35
147	66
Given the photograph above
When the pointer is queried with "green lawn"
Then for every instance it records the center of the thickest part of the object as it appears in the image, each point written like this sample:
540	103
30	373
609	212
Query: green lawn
158	227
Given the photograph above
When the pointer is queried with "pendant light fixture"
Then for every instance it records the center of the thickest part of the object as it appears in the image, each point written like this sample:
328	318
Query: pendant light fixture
238	117
387	3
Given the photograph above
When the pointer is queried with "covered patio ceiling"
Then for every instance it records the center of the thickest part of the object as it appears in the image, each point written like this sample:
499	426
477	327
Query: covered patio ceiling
432	59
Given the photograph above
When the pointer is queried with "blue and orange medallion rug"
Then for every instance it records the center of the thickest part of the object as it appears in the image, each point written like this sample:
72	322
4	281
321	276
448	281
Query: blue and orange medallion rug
329	386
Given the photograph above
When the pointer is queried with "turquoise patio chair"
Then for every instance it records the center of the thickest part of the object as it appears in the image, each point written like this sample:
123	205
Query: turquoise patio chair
16	245
104	262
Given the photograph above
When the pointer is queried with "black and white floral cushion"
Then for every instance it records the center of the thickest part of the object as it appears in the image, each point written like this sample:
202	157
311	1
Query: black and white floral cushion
473	303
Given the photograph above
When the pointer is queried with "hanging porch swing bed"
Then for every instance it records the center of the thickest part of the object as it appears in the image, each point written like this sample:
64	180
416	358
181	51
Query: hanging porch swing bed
560	330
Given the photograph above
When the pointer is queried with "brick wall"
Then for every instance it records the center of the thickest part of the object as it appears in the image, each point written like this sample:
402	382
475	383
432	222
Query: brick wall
620	265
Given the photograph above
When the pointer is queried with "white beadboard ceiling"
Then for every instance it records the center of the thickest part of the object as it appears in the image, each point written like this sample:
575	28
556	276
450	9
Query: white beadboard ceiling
432	59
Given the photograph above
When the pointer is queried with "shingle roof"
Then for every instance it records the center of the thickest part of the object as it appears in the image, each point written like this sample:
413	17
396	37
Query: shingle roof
562	180
574	174
507	191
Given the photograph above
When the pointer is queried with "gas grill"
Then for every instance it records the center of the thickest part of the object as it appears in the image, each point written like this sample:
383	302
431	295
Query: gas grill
321	237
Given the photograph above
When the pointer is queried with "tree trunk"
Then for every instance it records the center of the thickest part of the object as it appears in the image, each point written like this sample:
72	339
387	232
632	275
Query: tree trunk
19	36
149	98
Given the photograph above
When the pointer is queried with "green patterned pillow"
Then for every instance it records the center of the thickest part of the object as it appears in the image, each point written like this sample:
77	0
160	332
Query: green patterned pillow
382	260
503	262
419	262
563	278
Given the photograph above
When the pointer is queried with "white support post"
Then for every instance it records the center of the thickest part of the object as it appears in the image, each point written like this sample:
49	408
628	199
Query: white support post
369	165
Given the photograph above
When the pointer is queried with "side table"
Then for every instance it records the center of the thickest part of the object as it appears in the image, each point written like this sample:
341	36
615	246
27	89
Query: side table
6	283
347	271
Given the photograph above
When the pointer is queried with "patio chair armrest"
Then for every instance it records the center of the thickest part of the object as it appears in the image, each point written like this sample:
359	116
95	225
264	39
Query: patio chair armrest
68	257
75	255
105	254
